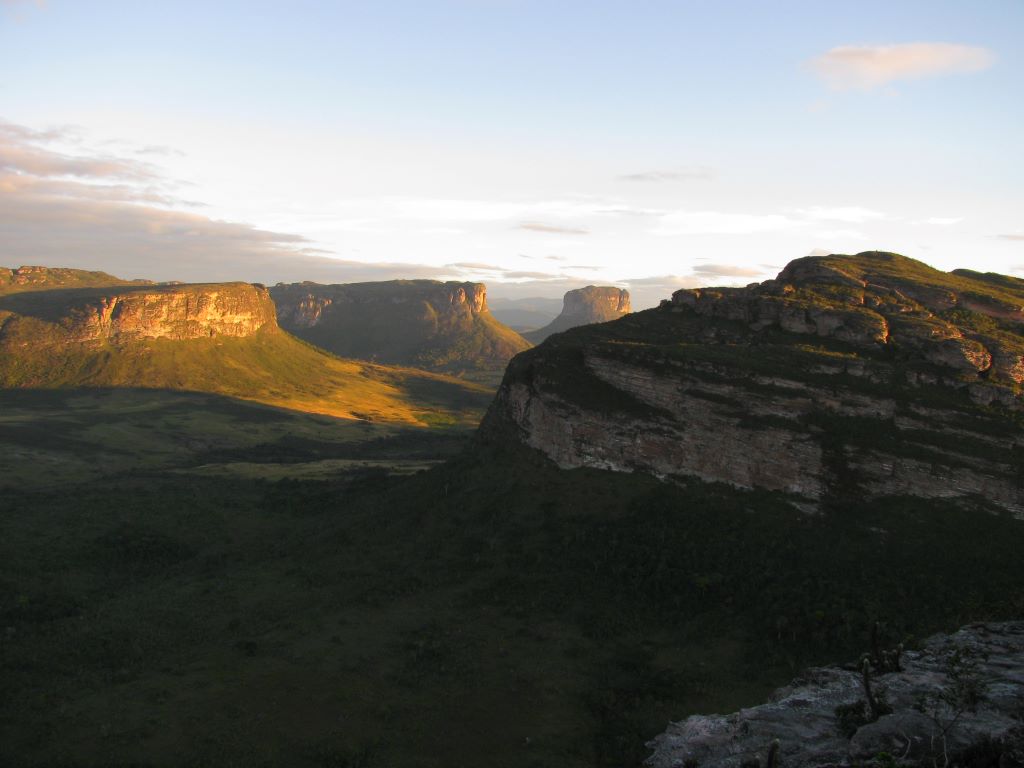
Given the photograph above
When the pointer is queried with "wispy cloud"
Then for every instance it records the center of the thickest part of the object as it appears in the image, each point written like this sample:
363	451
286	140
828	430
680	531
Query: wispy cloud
851	214
551	229
476	266
1010	237
866	67
726	270
117	213
720	223
698	173
944	221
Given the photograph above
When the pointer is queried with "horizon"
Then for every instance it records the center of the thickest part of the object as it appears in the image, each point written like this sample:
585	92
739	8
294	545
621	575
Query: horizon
531	148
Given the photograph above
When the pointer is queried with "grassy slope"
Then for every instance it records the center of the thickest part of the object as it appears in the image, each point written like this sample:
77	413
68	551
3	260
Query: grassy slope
58	277
270	367
64	437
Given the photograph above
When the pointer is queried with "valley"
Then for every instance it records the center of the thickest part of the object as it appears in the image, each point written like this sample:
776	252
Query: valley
239	549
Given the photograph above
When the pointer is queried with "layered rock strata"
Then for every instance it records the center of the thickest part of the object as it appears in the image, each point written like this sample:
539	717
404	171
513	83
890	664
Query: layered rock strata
585	306
852	377
959	695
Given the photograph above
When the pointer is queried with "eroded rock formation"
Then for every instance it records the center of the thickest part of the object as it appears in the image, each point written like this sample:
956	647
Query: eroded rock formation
584	306
424	323
959	694
121	315
845	377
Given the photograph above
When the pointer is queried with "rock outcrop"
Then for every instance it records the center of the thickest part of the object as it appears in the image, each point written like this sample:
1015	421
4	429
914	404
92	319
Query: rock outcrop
846	377
585	306
423	323
121	315
959	697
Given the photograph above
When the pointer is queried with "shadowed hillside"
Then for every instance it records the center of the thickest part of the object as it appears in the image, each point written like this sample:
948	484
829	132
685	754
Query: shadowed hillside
423	323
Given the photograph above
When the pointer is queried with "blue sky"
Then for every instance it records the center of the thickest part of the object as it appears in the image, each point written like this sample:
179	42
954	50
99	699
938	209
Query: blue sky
535	146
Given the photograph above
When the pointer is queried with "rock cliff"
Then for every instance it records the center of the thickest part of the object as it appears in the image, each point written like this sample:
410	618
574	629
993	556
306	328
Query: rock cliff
423	323
584	306
121	315
957	701
846	377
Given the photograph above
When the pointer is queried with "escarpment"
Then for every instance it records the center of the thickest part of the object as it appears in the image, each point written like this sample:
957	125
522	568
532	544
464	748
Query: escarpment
846	377
121	315
584	306
424	323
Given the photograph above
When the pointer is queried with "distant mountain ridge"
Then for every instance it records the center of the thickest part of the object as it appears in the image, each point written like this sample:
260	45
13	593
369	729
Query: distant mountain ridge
862	376
28	278
584	306
220	338
445	327
526	314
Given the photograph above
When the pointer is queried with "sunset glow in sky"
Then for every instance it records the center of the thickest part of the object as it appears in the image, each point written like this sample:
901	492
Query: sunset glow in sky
532	145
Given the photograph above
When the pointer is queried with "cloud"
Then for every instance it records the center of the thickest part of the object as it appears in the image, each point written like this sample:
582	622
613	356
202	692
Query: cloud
1011	237
718	223
554	229
687	174
121	215
866	67
476	266
725	270
851	214
519	275
944	221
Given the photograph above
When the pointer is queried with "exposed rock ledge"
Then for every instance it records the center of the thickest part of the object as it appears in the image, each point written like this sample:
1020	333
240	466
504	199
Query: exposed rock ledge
802	716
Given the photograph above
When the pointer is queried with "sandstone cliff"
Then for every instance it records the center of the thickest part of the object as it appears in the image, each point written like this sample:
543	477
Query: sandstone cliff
932	719
120	314
424	323
844	378
584	306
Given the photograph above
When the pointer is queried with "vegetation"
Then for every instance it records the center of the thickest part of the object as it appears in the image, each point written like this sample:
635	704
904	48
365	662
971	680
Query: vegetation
270	367
457	613
404	322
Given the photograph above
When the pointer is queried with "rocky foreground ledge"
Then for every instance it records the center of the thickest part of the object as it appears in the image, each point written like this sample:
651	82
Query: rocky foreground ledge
957	701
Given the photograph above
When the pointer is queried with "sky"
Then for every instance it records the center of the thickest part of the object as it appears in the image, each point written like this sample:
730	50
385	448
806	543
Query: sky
534	146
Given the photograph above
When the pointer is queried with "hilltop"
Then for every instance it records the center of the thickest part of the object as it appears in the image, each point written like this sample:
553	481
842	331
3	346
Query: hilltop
863	376
217	338
31	278
584	306
436	326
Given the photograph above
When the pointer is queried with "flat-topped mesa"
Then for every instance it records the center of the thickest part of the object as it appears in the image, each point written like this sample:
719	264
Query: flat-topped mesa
847	377
121	314
585	306
302	305
424	323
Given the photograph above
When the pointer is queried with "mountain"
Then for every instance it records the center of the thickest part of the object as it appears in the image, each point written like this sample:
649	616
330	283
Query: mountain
866	376
527	314
584	306
31	278
217	338
428	324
